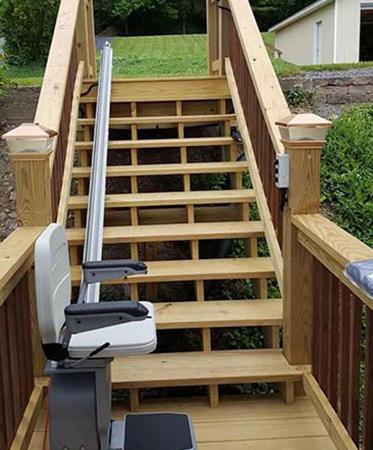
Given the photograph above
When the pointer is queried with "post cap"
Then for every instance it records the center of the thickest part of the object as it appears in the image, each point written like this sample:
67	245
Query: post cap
30	138
29	131
303	130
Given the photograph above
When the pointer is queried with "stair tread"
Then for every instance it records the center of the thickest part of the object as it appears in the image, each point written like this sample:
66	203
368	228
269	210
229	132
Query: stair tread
161	143
168	198
218	313
176	232
163	119
166	169
191	270
203	368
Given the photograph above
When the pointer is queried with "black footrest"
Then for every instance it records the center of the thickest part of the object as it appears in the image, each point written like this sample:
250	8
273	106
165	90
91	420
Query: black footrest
164	431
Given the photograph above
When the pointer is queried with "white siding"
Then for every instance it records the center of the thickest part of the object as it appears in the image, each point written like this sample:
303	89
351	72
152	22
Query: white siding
348	31
297	40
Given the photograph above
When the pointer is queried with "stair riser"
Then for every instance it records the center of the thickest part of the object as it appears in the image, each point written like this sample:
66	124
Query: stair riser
206	381
196	277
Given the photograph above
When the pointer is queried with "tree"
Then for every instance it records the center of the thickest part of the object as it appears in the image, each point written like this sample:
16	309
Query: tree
124	8
270	12
27	26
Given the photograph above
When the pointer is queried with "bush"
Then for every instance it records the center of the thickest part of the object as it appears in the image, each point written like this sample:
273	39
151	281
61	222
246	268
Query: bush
301	98
27	26
347	172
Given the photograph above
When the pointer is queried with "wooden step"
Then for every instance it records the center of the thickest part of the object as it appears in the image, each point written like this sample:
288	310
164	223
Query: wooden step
167	89
161	143
176	232
219	314
194	270
155	120
166	169
204	368
168	199
178	214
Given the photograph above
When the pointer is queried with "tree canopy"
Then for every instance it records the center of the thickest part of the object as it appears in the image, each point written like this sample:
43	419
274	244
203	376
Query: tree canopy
27	25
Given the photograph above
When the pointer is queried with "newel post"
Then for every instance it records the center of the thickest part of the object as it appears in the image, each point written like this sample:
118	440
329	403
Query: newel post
85	38
303	136
31	148
217	12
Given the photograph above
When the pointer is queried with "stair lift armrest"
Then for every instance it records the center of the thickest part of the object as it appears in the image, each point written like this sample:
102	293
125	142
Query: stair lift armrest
93	316
96	272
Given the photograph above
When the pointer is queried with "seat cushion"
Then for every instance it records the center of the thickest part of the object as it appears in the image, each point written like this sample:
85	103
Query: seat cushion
134	338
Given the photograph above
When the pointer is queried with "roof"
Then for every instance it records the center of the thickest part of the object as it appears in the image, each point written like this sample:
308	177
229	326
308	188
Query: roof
302	13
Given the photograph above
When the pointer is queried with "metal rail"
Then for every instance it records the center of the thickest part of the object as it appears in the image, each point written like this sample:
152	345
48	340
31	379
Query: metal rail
97	188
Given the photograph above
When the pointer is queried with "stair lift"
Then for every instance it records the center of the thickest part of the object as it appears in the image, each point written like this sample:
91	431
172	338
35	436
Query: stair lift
81	340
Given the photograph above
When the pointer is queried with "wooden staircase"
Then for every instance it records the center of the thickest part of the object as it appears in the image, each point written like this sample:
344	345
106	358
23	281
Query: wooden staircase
198	115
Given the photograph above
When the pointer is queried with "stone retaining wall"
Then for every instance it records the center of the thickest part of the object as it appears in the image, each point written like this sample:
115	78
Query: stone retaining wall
335	88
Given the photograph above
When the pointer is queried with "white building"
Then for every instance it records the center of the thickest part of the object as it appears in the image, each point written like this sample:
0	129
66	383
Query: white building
327	31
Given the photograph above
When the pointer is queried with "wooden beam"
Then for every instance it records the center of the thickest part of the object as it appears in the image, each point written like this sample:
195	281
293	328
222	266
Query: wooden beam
163	90
265	214
26	428
328	416
141	170
268	90
160	143
195	270
298	294
157	120
70	151
16	257
32	175
52	95
333	247
168	199
212	34
85	38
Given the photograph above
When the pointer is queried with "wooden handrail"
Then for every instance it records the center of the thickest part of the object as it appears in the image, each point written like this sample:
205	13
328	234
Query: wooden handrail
52	95
268	89
333	247
16	257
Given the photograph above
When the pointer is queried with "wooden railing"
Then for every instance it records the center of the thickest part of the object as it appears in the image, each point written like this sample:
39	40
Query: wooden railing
39	177
233	33
328	321
342	347
20	356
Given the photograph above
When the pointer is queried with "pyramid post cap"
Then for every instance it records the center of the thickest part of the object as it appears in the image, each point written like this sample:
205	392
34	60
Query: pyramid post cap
29	131
305	120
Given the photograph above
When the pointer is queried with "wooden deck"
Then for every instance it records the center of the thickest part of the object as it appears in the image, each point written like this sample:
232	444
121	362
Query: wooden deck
240	424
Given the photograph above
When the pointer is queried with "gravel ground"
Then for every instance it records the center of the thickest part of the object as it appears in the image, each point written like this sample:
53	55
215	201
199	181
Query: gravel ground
342	74
16	107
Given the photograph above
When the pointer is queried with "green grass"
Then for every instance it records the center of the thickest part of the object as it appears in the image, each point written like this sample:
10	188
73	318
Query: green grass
154	56
31	75
158	56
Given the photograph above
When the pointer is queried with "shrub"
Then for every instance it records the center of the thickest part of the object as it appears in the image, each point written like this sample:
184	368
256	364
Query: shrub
27	26
299	97
347	172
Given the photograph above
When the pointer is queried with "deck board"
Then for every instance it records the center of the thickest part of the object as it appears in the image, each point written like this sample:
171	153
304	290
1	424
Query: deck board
240	423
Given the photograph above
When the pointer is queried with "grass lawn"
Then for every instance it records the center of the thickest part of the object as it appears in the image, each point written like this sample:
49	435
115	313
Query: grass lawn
160	56
157	56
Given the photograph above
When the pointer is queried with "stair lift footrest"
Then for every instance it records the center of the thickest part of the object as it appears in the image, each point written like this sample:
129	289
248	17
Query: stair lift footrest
158	431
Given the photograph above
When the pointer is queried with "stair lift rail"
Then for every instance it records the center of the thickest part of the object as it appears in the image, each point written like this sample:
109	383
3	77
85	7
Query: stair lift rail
97	189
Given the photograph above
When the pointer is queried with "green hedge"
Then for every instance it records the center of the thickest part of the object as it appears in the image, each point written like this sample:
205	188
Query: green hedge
27	26
347	172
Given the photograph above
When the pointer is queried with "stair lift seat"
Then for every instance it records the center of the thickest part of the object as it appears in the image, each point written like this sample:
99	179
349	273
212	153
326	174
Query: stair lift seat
53	288
133	338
